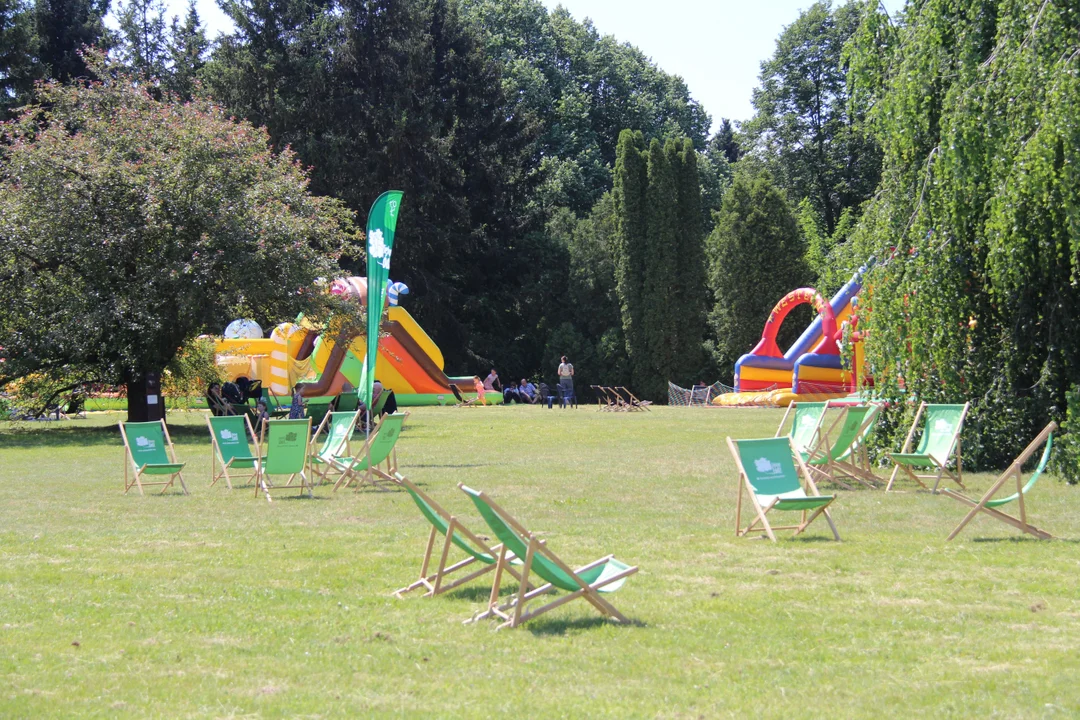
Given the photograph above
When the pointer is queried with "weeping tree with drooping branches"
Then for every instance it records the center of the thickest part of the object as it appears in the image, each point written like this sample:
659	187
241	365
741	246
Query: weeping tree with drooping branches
977	218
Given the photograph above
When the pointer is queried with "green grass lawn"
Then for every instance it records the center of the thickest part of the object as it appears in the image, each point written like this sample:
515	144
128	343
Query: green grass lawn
222	605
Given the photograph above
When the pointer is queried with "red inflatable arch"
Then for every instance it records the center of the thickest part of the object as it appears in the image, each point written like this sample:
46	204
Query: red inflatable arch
767	347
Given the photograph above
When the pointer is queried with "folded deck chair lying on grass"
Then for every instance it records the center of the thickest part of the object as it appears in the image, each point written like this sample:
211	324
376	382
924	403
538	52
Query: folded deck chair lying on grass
767	474
841	447
286	454
151	452
806	420
375	463
230	435
632	399
454	533
605	575
339	428
940	439
990	506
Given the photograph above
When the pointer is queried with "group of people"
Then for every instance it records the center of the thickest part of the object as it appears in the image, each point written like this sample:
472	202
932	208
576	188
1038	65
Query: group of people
525	392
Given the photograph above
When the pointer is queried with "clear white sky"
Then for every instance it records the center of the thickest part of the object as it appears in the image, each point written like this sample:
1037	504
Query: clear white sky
717	46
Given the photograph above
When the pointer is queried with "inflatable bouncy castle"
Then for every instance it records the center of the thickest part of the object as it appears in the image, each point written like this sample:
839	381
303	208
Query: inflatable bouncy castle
409	361
813	368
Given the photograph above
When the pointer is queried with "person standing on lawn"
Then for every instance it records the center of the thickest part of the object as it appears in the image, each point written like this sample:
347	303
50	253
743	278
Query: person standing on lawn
566	377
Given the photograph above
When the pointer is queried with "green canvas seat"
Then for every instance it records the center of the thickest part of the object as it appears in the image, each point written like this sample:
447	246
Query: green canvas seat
841	448
805	423
769	478
988	505
347	402
375	463
339	428
605	575
940	439
454	533
229	435
286	454
150	449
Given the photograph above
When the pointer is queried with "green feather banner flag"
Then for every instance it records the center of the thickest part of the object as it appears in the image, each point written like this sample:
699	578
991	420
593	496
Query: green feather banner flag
382	221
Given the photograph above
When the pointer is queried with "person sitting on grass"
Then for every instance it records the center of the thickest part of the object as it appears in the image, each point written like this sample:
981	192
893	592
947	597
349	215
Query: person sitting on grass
526	392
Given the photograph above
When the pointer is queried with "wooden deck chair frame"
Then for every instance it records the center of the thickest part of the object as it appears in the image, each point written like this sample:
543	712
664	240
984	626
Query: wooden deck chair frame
380	476
761	513
136	479
436	582
263	481
513	612
940	464
217	458
1015	470
316	452
603	400
827	461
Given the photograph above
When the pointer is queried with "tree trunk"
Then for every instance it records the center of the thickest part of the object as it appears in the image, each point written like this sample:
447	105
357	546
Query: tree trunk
145	403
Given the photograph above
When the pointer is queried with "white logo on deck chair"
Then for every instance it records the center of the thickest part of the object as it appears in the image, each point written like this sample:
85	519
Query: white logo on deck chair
765	466
943	426
807	421
145	443
229	436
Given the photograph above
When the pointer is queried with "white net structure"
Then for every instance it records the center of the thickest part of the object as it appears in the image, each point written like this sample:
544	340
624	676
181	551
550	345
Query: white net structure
697	396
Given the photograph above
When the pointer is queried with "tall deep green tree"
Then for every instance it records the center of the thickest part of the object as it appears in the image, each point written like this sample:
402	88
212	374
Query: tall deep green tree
630	247
144	45
187	52
755	258
63	28
583	88
660	277
724	140
813	140
375	94
17	49
690	295
977	219
656	231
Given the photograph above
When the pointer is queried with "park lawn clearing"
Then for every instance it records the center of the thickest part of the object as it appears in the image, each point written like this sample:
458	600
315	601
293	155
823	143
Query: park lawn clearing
221	604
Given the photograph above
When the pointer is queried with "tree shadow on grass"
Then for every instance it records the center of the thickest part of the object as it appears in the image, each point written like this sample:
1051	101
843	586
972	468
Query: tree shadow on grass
62	434
21	436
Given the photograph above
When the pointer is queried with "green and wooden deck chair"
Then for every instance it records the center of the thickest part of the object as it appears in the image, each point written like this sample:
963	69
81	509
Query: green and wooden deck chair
940	439
805	423
230	435
375	463
989	506
347	402
339	428
150	449
286	454
837	453
768	475
454	533
605	575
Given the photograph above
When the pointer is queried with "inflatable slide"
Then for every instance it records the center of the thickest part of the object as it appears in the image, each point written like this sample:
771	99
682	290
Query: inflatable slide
812	368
